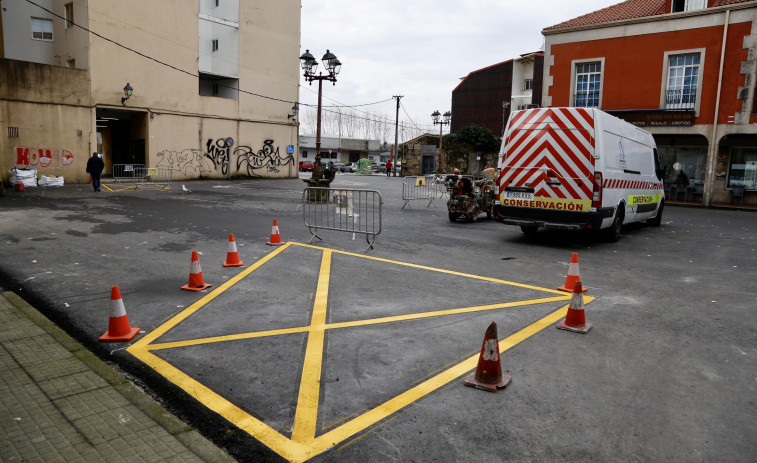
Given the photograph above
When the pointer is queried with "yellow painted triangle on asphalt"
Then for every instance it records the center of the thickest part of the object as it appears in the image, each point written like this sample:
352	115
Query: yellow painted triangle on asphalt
304	444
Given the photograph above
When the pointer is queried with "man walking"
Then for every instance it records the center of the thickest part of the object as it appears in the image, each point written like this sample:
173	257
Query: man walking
95	166
388	168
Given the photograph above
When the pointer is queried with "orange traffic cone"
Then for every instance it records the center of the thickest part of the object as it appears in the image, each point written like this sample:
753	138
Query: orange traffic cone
196	282
573	276
575	320
232	256
119	328
275	236
488	375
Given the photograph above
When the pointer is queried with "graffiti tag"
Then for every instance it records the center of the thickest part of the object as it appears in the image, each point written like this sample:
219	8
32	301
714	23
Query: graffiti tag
189	162
42	157
216	152
268	157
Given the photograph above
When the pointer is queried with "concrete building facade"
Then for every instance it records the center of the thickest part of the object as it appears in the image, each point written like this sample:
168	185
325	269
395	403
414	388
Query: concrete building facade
212	86
685	71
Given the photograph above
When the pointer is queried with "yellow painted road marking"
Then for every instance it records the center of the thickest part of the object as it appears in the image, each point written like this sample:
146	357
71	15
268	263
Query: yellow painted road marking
306	414
349	324
304	444
133	187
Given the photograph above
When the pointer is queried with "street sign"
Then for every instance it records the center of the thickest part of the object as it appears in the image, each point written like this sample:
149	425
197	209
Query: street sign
229	142
290	149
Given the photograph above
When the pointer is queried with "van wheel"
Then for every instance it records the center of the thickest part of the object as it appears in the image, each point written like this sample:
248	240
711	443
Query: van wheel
657	220
453	216
529	229
613	233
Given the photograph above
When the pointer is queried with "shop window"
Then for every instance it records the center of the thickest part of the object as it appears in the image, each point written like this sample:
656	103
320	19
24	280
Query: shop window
683	165
743	168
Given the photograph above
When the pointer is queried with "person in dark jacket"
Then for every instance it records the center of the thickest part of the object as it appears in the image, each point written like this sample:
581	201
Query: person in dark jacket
95	167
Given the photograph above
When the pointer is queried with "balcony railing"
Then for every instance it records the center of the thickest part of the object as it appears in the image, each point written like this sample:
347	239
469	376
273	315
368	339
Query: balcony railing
681	98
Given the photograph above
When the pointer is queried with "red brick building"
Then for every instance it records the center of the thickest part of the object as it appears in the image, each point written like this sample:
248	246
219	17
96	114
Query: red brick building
684	70
485	96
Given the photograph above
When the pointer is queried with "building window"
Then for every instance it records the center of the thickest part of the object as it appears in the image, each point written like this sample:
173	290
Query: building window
214	45
743	168
588	83
683	81
687	5
528	84
215	88
69	15
683	166
42	29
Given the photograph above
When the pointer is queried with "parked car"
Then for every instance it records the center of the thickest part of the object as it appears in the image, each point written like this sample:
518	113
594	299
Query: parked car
306	166
352	167
339	167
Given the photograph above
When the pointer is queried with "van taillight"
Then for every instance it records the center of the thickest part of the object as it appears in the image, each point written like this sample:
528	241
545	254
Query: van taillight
596	198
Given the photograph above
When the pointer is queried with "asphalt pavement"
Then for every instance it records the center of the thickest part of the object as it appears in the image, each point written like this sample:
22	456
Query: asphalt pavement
325	352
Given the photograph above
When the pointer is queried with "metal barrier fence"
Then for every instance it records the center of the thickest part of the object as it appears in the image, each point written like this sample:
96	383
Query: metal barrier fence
414	188
355	211
125	172
155	176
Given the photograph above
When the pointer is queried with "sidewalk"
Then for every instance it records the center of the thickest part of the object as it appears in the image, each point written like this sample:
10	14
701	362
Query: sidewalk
58	402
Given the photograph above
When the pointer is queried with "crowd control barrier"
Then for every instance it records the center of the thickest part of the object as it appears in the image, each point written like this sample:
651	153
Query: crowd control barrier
153	176
125	172
415	188
352	211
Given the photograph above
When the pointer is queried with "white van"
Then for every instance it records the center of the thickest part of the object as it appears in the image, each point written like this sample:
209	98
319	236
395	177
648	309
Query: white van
577	168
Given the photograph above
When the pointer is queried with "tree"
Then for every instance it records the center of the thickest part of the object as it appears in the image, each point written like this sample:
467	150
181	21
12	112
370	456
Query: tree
461	147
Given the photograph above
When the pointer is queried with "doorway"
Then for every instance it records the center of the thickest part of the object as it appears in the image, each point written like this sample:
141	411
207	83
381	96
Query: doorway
121	137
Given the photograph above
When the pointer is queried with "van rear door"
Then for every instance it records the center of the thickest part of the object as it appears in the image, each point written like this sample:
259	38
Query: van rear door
548	159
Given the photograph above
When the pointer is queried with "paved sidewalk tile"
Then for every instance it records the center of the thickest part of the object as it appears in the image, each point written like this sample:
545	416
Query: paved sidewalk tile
56	407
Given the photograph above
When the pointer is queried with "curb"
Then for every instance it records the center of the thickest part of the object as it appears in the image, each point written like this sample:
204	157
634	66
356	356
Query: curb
182	432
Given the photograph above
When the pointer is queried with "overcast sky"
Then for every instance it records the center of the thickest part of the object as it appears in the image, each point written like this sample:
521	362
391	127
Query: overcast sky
421	49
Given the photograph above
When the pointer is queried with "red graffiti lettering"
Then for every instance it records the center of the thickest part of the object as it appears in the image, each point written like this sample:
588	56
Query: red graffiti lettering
66	158
43	157
22	156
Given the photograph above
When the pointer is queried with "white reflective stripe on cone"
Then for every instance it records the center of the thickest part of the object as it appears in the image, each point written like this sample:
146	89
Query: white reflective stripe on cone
573	268
232	246
195	267
577	302
117	308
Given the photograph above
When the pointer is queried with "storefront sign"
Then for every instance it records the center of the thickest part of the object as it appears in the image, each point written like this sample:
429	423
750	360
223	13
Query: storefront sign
656	118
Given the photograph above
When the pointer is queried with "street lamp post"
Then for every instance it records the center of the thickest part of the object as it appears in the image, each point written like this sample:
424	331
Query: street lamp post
441	123
309	65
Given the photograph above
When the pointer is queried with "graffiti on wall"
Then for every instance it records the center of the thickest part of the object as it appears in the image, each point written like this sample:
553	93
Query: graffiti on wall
267	157
42	157
216	152
196	163
189	162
